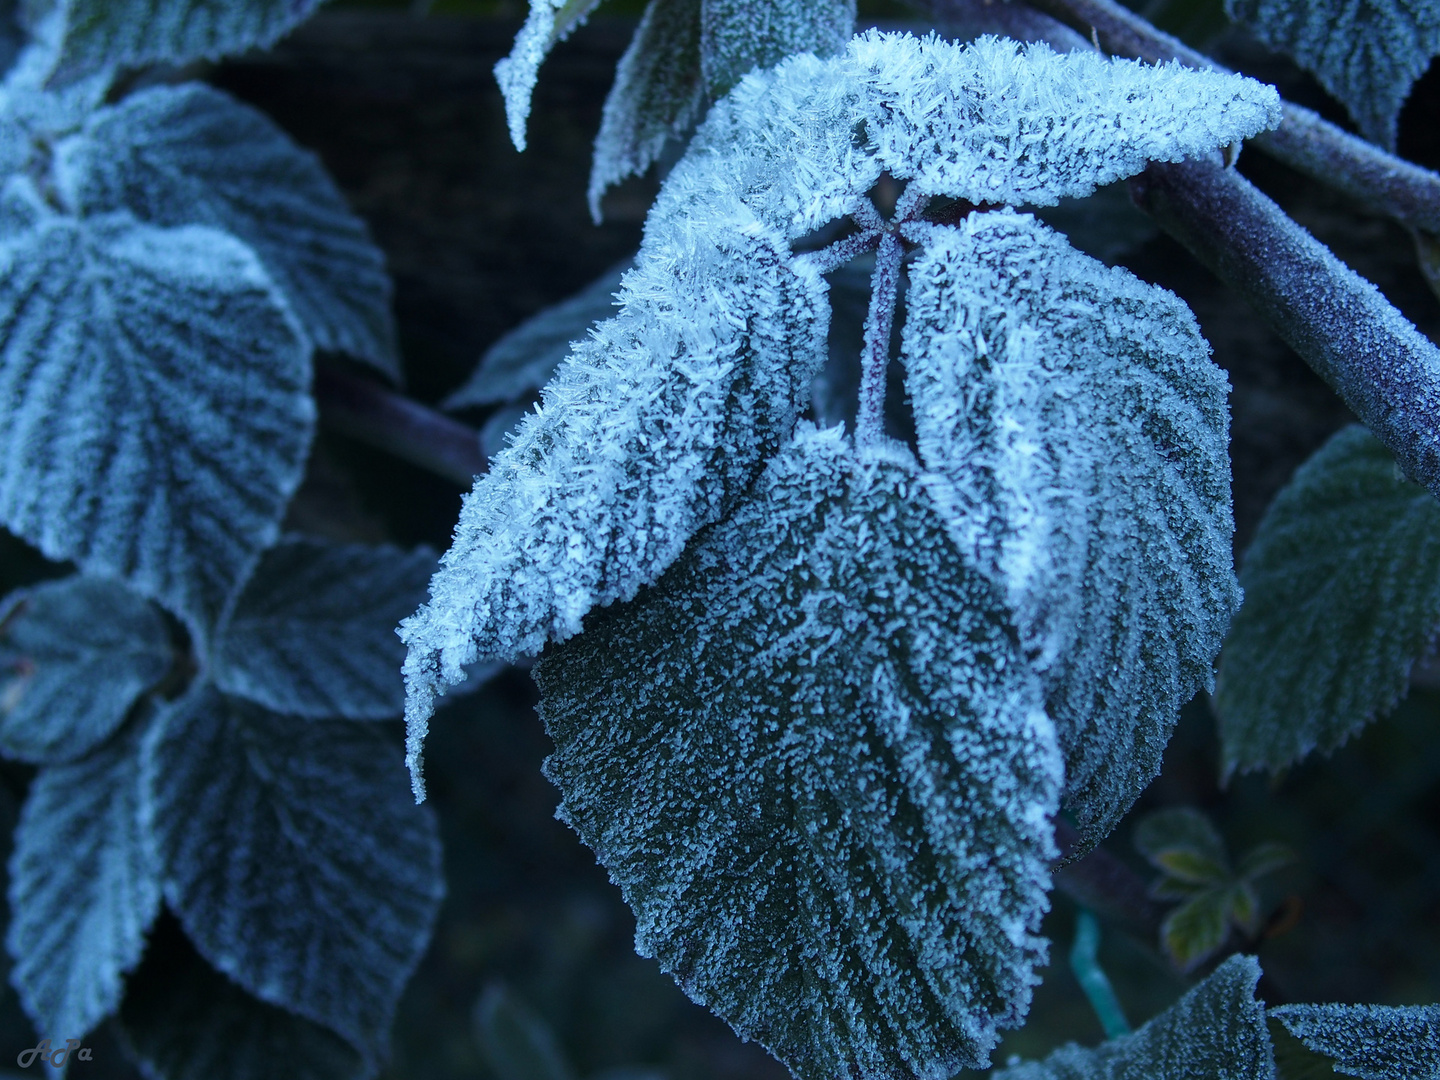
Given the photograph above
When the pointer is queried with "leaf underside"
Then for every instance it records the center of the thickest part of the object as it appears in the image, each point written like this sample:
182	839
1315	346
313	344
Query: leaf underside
155	411
294	858
815	763
313	634
83	889
1083	430
1367	53
1215	1032
191	155
130	33
1342	596
1370	1041
75	655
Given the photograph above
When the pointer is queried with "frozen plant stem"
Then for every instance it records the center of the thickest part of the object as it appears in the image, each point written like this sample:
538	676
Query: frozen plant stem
879	321
1085	963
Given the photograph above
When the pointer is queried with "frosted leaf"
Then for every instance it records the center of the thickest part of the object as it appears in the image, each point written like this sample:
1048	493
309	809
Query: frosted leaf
815	763
313	634
83	889
991	121
154	404
521	362
737	36
1370	1041
1367	53
1342	596
75	655
192	155
132	33
549	22
658	93
1215	1032
649	431
182	1019
1083	430
293	857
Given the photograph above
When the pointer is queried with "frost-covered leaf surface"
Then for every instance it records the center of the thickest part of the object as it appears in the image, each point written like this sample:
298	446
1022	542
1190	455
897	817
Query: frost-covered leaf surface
294	857
1083	432
549	22
815	763
1368	53
1370	1041
313	634
131	33
1215	1032
84	889
154	404
191	155
649	431
182	1019
738	36
521	362
1342	596
74	657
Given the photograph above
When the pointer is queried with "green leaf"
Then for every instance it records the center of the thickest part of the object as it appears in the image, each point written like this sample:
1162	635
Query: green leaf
1215	1032
1083	431
132	33
1187	831
75	655
516	1043
155	412
313	633
1367	53
1342	596
191	155
1169	888
1370	1041
815	762
181	1019
1195	929
1293	1059
294	858
84	889
1245	907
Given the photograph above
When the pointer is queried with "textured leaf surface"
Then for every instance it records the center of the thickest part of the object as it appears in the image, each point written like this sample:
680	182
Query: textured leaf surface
521	362
74	657
154	405
816	765
182	1019
1368	53
313	634
1370	1041
130	33
294	858
1215	1032
1083	430
737	36
549	22
649	431
1342	596
83	889
191	155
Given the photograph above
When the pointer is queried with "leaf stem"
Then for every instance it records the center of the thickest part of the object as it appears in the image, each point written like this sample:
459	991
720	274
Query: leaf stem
1085	963
879	322
374	414
842	251
1385	370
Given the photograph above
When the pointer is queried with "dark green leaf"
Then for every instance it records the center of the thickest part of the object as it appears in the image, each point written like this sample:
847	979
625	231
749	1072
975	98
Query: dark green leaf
1370	1041
75	655
294	857
815	762
1265	859
1342	596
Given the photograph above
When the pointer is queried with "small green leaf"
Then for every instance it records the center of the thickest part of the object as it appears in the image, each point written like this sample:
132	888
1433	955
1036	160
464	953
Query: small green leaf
75	655
517	1044
1245	907
815	762
1342	596
1197	928
1188	866
1215	1032
1169	888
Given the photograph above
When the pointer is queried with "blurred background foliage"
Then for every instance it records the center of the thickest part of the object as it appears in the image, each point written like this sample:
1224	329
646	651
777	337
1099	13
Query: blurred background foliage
532	974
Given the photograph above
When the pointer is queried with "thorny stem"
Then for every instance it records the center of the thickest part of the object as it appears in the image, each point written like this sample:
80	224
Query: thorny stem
879	322
374	414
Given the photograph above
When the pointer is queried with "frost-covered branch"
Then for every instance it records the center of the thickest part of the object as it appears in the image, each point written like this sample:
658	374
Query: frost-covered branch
1379	364
879	322
368	411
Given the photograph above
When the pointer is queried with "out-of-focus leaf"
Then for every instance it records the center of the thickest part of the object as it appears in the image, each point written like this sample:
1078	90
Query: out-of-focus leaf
1264	859
1186	838
517	1044
75	655
1197	928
